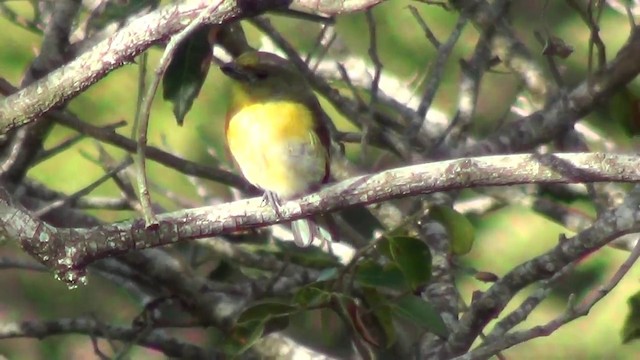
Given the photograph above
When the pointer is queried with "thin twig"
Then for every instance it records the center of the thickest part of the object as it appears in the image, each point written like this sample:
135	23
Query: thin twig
375	58
435	76
573	312
20	20
142	118
80	193
169	160
68	143
425	28
525	309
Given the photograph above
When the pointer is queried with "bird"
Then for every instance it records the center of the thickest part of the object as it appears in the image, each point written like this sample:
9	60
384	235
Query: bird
277	134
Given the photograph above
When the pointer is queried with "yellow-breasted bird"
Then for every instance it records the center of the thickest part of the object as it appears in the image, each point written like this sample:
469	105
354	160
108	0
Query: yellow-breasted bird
276	132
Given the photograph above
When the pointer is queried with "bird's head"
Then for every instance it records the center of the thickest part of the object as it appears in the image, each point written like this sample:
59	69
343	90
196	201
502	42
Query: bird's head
260	76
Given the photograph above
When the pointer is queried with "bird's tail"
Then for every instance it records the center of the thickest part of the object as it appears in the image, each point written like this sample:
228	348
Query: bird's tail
307	229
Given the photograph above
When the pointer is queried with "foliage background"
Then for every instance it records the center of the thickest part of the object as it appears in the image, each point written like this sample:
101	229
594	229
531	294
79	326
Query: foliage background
504	238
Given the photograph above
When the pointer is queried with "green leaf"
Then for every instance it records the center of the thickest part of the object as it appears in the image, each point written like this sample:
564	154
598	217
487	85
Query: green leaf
328	274
460	230
413	258
623	107
421	312
362	221
311	296
372	274
243	337
265	310
327	325
187	71
631	327
382	311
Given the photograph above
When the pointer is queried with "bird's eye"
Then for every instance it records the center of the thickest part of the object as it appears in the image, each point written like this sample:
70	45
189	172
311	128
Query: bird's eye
261	75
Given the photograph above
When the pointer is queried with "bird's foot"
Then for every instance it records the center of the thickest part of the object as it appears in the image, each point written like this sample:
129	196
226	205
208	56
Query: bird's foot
272	199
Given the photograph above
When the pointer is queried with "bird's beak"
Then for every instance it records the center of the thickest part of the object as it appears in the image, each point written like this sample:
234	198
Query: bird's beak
231	70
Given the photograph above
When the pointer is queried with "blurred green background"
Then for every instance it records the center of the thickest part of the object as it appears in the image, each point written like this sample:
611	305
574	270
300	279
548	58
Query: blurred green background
505	238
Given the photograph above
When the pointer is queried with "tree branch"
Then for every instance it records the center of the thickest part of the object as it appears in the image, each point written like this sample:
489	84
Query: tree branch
609	226
155	340
545	125
69	80
69	251
573	312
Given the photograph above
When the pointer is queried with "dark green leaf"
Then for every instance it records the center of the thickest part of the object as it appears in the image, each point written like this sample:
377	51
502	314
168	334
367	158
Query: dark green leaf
222	272
264	311
328	325
276	324
370	273
382	311
631	327
311	296
421	313
412	257
623	106
243	337
362	221
187	71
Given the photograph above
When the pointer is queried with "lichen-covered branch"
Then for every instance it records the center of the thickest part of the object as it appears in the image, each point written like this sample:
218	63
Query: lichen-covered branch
546	124
137	36
609	226
69	251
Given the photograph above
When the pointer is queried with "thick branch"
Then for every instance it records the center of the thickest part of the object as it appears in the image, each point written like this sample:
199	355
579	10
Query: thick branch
69	251
67	81
333	8
119	49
